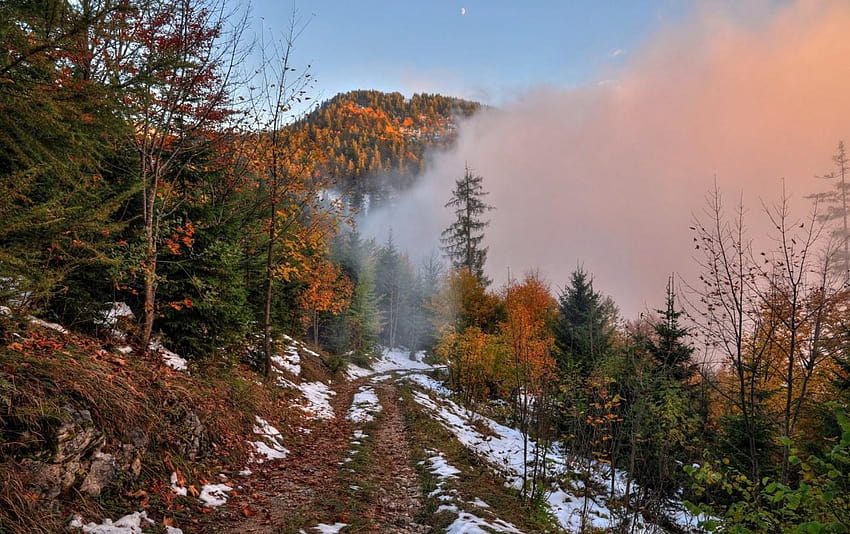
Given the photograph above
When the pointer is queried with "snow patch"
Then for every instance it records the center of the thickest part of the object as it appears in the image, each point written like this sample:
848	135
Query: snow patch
426	382
170	359
318	399
270	446
129	524
441	467
328	529
467	523
290	361
400	360
214	495
364	405
177	488
115	312
502	448
50	326
391	360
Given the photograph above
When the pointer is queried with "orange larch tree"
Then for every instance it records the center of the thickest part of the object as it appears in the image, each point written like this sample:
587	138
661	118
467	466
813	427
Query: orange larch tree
328	291
528	334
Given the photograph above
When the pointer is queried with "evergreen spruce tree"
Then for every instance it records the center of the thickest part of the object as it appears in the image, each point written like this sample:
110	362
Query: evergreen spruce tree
669	348
461	241
585	327
364	317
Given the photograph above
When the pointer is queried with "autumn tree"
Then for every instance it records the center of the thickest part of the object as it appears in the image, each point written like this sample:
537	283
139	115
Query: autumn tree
463	302
765	317
530	311
328	291
462	240
298	224
177	60
477	364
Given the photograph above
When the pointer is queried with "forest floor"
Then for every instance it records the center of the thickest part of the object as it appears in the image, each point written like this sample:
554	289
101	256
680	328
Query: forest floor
381	464
356	475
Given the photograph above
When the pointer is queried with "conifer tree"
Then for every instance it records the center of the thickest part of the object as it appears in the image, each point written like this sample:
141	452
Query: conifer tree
585	326
461	241
364	317
836	201
669	348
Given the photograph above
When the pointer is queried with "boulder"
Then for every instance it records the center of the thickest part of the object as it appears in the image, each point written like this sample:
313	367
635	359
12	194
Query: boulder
76	436
102	472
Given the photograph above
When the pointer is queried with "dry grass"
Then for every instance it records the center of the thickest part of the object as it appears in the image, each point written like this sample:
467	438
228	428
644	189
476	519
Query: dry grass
41	372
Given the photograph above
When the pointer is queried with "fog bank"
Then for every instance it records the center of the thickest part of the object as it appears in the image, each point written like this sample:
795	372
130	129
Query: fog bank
610	175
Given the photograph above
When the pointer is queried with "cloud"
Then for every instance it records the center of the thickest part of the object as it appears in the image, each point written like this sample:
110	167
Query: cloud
617	52
609	175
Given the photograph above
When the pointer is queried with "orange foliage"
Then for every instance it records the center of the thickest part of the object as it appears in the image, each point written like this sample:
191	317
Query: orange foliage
476	363
527	332
328	290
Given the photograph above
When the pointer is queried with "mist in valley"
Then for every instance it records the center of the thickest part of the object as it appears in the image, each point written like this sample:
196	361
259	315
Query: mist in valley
610	176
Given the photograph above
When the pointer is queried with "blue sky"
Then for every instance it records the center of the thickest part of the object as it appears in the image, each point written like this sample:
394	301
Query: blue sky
497	49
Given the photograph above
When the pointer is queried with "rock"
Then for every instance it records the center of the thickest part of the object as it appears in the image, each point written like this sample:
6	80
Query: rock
195	432
102	473
129	459
51	480
138	438
76	436
77	454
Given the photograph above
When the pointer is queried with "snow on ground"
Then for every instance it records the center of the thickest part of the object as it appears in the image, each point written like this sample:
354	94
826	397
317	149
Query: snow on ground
176	487
502	448
291	361
298	346
291	357
466	523
364	405
391	360
114	313
328	529
400	360
50	326
426	382
441	467
270	445
214	495
129	524
479	503
170	359
318	399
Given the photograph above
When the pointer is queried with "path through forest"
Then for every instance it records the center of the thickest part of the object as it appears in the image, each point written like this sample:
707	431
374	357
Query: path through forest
344	473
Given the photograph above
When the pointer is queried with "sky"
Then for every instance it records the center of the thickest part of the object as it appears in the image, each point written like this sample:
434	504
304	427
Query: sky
486	50
598	158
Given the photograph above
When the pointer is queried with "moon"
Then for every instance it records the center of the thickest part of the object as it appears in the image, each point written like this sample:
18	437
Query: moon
463	11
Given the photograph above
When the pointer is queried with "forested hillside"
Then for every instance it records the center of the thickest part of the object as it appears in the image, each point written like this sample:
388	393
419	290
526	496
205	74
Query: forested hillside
375	143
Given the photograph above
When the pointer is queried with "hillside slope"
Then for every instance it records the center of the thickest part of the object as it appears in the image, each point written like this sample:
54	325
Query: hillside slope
375	143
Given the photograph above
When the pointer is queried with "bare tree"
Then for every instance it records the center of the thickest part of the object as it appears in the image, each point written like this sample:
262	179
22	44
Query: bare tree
726	309
764	316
